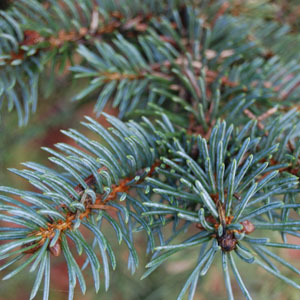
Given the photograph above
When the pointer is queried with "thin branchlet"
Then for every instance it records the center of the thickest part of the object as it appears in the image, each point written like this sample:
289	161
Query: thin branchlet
70	217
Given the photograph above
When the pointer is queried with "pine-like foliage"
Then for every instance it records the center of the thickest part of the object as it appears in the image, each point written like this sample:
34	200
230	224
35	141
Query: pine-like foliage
205	153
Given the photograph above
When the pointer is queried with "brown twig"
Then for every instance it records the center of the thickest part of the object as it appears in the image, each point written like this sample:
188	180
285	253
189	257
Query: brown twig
96	31
262	117
220	12
70	217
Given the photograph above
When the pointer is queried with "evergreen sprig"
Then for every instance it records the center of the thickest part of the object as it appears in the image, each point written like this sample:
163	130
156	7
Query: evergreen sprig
145	46
209	159
228	193
81	195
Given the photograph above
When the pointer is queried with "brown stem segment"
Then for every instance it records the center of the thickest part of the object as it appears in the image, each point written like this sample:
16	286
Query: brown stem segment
70	217
118	22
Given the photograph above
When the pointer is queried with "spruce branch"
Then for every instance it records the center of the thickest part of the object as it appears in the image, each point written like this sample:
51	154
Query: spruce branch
209	162
52	217
229	216
34	35
160	33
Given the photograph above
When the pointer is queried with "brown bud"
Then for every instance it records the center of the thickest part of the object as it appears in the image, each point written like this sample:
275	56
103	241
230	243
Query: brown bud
31	37
56	249
248	227
227	242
